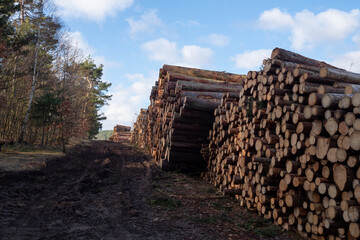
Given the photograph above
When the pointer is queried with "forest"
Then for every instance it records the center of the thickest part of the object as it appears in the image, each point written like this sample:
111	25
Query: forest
50	91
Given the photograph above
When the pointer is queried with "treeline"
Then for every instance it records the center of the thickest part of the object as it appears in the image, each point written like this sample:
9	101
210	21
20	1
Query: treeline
104	135
49	92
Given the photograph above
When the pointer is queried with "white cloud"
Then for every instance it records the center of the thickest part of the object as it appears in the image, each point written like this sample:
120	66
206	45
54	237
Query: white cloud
308	29
77	40
349	61
167	52
148	22
196	56
275	19
108	64
127	101
161	50
91	9
356	39
217	40
251	60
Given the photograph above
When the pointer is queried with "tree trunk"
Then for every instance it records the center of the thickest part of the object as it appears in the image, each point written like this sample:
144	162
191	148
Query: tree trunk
340	75
32	92
22	12
43	134
288	56
193	72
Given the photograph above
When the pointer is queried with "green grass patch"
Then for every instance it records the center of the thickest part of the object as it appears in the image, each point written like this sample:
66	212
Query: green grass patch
260	226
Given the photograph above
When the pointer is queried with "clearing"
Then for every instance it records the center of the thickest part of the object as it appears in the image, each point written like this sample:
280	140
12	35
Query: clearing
106	190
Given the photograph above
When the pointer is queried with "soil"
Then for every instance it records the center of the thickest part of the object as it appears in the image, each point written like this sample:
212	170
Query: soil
106	190
25	161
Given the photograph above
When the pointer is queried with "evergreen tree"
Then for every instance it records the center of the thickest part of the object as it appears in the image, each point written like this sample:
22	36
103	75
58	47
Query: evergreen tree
7	9
45	30
96	95
45	111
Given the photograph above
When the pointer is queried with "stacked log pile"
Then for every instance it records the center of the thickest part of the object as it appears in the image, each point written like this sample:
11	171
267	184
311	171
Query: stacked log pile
120	134
140	129
288	146
180	114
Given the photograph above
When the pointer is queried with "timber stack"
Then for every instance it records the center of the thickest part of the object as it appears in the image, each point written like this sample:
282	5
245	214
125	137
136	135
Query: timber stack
120	134
140	129
180	114
288	146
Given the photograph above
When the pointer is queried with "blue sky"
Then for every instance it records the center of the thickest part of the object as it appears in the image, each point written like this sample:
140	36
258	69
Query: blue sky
134	38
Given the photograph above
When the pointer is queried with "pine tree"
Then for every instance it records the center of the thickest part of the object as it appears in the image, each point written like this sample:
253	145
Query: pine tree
96	95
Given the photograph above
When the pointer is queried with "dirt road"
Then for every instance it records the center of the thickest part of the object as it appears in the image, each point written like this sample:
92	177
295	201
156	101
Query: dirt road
107	190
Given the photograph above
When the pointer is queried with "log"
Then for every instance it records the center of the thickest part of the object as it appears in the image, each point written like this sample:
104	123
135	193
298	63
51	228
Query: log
203	95
200	104
353	212
329	89
322	147
194	72
331	126
314	99
354	230
351	88
194	86
343	176
356	100
340	75
355	140
331	100
284	55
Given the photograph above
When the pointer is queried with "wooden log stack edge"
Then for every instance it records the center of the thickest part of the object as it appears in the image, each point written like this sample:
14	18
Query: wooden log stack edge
121	134
286	144
140	129
180	115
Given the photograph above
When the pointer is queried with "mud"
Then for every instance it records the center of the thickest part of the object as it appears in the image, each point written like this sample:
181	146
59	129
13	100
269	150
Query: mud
106	190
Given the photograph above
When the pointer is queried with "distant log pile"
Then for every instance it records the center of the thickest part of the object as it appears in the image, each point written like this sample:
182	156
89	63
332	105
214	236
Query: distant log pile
140	129
285	141
180	114
120	134
288	146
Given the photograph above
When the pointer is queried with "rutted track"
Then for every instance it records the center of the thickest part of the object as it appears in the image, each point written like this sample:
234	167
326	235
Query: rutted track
106	190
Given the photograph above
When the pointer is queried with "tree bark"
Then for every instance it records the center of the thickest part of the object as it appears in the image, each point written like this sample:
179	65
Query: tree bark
194	72
288	56
340	75
32	92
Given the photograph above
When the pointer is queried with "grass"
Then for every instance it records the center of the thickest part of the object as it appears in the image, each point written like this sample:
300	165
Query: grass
181	180
268	231
258	225
221	205
30	149
213	211
165	202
